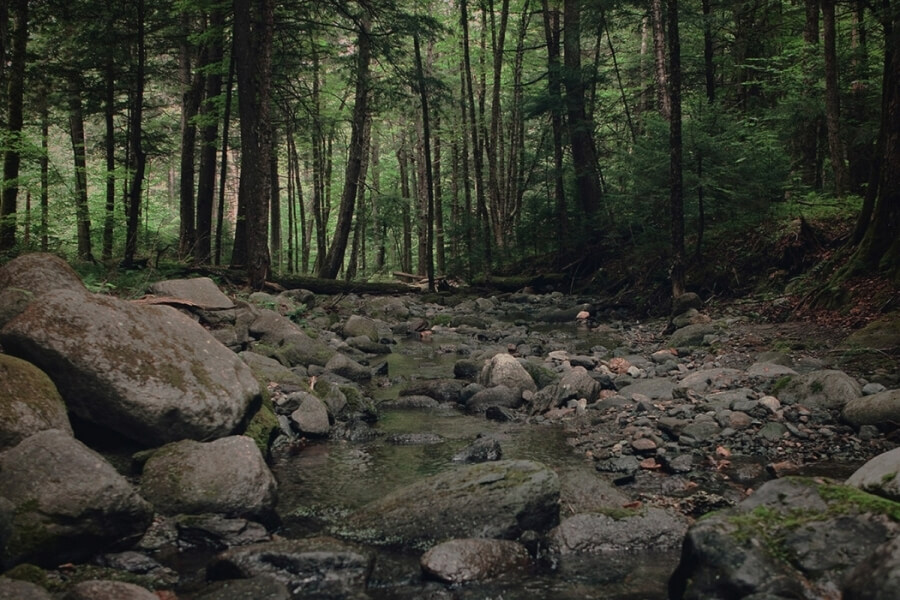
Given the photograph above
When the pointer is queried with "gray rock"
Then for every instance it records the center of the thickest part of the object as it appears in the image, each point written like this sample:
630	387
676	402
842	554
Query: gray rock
147	372
494	499
823	389
108	590
442	390
710	380
262	587
39	273
200	291
483	449
268	370
770	370
312	567
414	402
880	475
881	568
218	532
505	369
12	302
357	325
653	529
67	502
466	369
347	367
655	388
364	344
281	339
701	430
13	589
691	335
227	476
499	395
685	302
882	410
29	402
311	416
575	384
475	559
772	431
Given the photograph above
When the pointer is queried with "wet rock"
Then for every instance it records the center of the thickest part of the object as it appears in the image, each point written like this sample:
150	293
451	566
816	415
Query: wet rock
824	389
411	402
108	590
881	409
466	369
349	368
483	449
319	567
498	499
147	372
311	416
357	325
650	529
281	339
218	532
227	476
500	396
415	439
500	414
505	369
880	475
463	560
364	344
29	402
67	502
442	390
262	587
13	589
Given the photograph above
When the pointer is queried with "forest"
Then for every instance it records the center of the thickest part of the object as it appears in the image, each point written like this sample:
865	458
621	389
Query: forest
455	138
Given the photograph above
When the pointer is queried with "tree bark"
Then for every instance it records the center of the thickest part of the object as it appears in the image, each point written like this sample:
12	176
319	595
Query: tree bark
253	31
676	186
659	54
136	151
810	119
335	257
709	67
832	100
275	208
76	129
429	180
223	169
45	176
109	113
554	89
190	104
15	100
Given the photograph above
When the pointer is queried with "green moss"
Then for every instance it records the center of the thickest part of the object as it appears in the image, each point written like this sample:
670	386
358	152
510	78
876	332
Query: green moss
843	499
888	477
442	319
781	384
30	573
816	387
263	427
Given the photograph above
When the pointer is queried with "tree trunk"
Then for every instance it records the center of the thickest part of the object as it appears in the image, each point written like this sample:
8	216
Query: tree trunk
554	89
494	145
659	54
429	181
223	169
439	257
109	112
76	128
676	186
335	257
45	176
832	100
138	156
190	104
253	31
15	99
275	212
709	67
810	120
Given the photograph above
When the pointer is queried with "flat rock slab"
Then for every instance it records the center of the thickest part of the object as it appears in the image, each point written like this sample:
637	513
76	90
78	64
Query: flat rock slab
200	291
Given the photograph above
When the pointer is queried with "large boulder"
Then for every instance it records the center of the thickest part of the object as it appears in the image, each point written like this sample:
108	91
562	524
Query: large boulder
227	476
147	372
97	589
68	502
29	402
319	567
13	589
652	529
281	339
793	538
880	475
346	367
505	369
476	559
498	499
200	292
357	325
826	389
881	409
25	278
883	567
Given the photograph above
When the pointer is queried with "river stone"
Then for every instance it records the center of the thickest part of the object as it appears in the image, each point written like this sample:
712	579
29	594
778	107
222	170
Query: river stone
13	589
494	499
357	325
655	388
69	503
227	476
268	370
319	567
281	339
348	368
883	567
710	380
499	395
475	559
685	302
881	409
201	291
770	370
652	529
691	335
825	389
575	384
263	587
880	476
311	416
483	449
219	532
29	402
147	372
96	589
505	369
364	344
442	390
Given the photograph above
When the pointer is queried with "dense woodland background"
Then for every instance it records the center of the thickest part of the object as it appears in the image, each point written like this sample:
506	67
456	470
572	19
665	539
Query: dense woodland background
463	138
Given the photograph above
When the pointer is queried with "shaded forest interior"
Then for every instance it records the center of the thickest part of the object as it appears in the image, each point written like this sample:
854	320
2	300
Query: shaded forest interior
634	148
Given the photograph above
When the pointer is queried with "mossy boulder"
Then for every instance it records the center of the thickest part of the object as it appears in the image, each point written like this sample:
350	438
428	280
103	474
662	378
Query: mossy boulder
826	389
881	409
29	402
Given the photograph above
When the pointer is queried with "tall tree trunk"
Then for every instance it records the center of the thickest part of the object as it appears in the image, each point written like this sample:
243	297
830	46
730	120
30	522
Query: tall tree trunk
676	186
109	113
439	257
659	55
76	128
466	220
15	101
429	181
335	257
860	114
554	88
584	156
709	67
832	100
45	175
809	121
223	168
494	143
253	31
190	104
138	155
275	212
378	222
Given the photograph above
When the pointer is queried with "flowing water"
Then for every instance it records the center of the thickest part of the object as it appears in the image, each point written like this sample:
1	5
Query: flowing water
324	481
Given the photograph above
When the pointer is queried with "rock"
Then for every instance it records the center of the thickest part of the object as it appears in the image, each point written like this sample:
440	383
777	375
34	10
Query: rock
476	559
311	416
686	302
281	339
12	302
415	439
710	380
348	368
147	372
689	317
442	390
576	383
825	529
364	344
466	369
411	402
228	476
652	529
29	402
770	370
505	369
499	395
483	449
201	291
218	532
882	568
263	587
494	499
357	325
882	410
691	335
655	388
13	589
319	567
823	389
39	273
880	476
268	370
108	590
68	502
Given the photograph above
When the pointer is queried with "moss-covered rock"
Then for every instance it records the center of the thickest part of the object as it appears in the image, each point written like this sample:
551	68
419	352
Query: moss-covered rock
29	402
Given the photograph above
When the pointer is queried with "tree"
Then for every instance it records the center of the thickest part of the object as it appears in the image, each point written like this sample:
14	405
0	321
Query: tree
136	143
832	100
676	179
554	90
15	97
253	31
